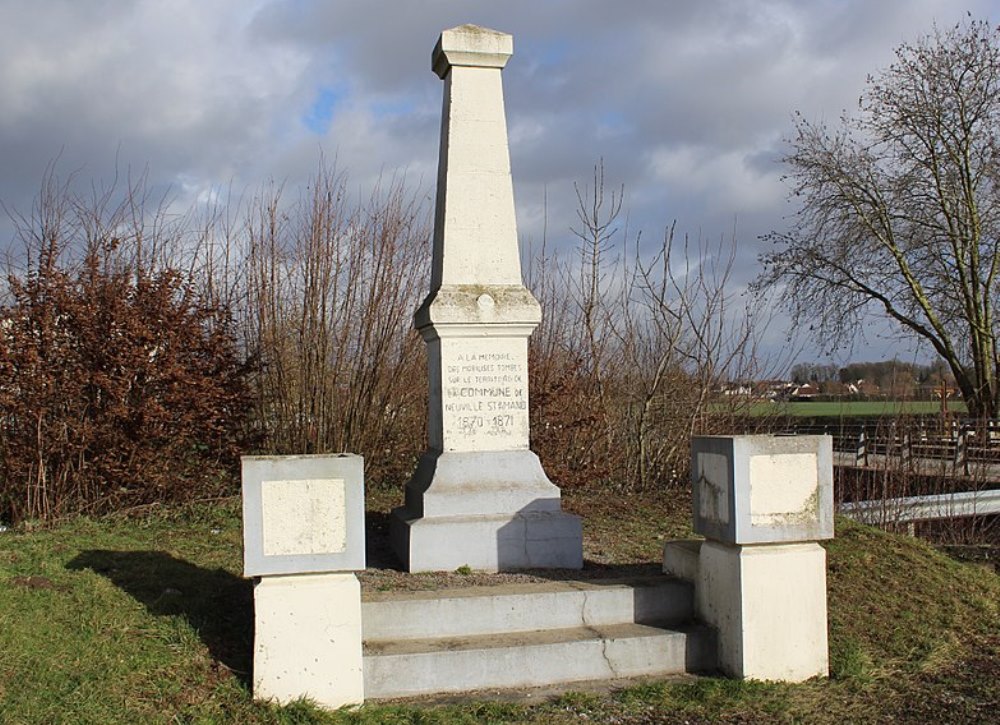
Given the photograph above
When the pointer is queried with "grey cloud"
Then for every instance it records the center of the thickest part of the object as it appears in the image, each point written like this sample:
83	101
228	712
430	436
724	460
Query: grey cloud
686	102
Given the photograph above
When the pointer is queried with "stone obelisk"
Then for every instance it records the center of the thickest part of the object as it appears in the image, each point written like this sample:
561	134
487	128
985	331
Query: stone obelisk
479	496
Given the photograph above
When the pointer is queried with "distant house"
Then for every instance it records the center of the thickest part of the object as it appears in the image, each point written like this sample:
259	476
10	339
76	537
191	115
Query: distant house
757	389
864	387
742	389
806	391
773	389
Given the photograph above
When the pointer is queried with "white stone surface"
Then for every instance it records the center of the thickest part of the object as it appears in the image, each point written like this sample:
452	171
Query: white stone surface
304	517
783	488
471	45
500	542
759	489
475	230
535	659
303	514
768	604
458	311
511	608
681	558
307	639
505	482
484	393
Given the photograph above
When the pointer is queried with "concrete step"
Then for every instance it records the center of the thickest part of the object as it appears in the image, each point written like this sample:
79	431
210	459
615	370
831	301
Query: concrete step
528	659
527	635
681	558
475	611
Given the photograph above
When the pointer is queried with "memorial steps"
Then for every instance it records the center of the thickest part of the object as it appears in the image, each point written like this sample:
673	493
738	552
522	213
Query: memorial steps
530	635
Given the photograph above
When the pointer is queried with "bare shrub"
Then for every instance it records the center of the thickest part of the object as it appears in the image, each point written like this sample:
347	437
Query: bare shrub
126	381
330	290
119	383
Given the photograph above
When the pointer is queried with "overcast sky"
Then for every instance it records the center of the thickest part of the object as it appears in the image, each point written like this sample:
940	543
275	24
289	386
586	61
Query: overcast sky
686	102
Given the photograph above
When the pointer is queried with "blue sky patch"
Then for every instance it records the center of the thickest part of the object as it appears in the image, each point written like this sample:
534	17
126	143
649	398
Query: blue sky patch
320	114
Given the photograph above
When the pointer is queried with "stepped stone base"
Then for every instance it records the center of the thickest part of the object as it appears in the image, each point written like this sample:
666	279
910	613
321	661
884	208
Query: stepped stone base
490	511
535	540
485	610
530	635
680	558
529	659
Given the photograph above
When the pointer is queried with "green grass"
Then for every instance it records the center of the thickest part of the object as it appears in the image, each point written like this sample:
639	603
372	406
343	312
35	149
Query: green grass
854	409
147	620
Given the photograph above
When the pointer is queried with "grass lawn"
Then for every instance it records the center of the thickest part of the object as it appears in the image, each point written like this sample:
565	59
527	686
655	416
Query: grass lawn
126	620
855	409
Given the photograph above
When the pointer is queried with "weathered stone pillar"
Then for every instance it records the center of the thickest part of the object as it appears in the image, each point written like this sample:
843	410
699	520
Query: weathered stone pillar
479	496
762	503
303	538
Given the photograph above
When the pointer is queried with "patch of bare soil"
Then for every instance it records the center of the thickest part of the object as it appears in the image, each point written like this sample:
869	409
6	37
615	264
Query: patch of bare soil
33	582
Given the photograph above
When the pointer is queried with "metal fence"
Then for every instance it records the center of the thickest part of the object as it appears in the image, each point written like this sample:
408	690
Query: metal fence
962	444
965	452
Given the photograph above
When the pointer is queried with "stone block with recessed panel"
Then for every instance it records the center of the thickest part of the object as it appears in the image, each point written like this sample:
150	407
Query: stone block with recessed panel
759	489
303	514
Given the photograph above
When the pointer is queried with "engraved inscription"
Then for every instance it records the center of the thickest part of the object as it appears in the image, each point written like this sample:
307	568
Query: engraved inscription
485	398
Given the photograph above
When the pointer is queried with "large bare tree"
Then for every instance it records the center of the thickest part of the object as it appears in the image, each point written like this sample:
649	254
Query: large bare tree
899	208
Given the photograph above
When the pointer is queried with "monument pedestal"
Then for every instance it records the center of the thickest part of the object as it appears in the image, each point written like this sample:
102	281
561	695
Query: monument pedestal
290	661
303	538
488	510
479	497
768	604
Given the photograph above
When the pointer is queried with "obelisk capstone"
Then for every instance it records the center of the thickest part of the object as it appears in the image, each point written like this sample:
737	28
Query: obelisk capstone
479	497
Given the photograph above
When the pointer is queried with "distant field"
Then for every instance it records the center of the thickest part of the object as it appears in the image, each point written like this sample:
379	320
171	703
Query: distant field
854	409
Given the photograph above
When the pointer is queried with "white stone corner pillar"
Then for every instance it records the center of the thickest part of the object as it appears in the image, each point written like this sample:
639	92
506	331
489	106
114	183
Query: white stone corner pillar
762	503
304	536
479	496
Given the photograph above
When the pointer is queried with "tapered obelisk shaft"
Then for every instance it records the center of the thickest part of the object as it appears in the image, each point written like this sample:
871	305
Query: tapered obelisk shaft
475	231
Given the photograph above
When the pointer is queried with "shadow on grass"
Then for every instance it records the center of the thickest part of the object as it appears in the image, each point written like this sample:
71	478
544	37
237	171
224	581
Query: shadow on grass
216	603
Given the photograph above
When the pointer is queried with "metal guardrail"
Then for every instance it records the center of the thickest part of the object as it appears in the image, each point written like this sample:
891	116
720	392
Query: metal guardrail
924	508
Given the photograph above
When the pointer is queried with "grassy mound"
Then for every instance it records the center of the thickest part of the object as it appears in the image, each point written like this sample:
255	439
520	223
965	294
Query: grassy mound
147	620
899	601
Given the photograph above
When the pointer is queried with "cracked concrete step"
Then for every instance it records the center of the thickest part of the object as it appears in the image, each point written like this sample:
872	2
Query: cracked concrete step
523	607
528	659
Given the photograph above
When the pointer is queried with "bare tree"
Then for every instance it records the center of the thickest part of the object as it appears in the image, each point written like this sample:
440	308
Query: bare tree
900	209
632	346
594	286
685	332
